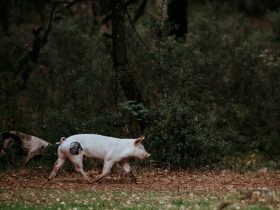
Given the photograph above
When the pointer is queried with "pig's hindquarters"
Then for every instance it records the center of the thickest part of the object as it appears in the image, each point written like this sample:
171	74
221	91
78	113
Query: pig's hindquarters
76	157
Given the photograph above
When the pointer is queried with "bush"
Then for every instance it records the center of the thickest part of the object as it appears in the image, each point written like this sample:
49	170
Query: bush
210	109
274	17
179	136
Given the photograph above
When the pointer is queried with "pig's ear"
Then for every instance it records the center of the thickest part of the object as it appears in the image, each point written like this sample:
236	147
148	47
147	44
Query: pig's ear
139	140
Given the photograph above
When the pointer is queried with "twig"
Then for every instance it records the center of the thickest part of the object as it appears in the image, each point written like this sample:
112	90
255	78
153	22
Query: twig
69	4
152	16
140	10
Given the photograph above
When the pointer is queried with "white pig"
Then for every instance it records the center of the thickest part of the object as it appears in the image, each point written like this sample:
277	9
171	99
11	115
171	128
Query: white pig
109	149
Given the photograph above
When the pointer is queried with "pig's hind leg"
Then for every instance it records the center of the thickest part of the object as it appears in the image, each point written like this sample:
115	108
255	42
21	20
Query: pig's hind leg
126	167
78	163
60	161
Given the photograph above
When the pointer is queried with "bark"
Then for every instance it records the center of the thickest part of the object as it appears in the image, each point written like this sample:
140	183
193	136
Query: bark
177	16
4	15
39	41
120	60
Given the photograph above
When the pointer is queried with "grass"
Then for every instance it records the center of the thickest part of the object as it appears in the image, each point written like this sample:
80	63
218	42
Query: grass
59	199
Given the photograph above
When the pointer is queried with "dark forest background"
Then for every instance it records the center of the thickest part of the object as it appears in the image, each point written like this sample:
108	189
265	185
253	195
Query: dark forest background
200	79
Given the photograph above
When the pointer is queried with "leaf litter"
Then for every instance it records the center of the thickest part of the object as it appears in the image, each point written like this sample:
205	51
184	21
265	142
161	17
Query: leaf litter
32	186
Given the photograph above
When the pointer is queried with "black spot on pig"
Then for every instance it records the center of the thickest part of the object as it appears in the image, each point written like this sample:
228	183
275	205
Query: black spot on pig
75	147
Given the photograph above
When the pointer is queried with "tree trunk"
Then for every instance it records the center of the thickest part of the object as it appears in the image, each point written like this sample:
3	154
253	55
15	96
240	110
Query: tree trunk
120	61
177	17
4	15
39	41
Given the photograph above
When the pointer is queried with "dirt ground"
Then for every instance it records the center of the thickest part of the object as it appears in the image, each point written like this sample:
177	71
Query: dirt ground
156	180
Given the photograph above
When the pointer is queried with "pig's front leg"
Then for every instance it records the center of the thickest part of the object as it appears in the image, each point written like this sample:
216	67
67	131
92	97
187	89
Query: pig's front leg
30	155
126	167
106	169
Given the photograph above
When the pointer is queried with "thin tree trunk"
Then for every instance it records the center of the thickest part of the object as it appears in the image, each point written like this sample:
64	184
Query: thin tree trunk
4	15
177	16
120	61
39	41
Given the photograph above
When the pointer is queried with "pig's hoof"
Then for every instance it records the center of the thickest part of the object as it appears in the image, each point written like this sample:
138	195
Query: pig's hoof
88	180
97	181
98	178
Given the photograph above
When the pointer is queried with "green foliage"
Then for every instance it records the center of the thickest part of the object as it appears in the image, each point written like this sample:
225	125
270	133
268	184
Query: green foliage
211	109
274	17
49	155
179	136
138	110
109	124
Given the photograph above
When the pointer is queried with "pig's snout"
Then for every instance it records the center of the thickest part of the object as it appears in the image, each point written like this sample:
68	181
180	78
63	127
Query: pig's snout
148	155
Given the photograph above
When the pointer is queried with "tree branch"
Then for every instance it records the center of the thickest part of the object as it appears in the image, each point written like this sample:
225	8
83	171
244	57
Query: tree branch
140	10
37	44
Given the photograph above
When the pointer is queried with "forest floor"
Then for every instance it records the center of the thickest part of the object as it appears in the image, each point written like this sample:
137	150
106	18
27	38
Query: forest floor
156	189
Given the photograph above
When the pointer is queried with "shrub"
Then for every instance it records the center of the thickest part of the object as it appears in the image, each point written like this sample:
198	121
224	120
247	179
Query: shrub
210	109
179	136
274	17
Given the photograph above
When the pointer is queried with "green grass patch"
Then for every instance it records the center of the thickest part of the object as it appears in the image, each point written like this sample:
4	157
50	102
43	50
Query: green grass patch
59	199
